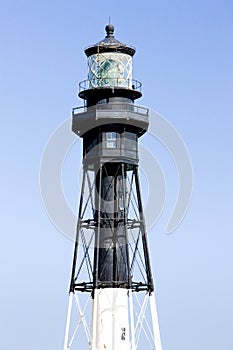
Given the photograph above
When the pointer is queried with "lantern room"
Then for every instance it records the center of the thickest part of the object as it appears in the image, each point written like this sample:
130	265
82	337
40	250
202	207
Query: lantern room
110	68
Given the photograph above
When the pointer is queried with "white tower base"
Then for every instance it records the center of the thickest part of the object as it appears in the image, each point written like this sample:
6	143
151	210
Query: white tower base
121	320
110	319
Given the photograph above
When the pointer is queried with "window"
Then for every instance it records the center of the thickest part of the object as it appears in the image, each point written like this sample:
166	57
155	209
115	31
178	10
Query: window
111	139
121	202
91	144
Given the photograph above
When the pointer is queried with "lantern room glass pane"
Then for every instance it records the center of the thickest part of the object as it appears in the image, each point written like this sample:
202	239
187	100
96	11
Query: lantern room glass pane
110	69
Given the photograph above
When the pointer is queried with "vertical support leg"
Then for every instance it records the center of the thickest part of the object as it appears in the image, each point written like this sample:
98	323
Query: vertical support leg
131	313
125	224
97	237
96	267
72	283
68	321
155	322
144	236
94	317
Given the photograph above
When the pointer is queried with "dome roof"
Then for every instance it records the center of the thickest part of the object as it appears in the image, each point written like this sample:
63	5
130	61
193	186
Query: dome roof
109	44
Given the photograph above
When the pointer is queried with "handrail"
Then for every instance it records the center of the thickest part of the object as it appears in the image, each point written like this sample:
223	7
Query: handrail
112	106
106	82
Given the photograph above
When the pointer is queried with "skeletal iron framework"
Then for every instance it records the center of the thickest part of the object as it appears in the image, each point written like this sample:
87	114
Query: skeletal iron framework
111	257
130	251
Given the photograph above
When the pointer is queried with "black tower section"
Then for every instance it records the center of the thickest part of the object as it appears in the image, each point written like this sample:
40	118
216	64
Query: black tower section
110	125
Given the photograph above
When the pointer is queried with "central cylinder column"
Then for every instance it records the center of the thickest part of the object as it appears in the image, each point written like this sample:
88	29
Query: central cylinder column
113	270
110	302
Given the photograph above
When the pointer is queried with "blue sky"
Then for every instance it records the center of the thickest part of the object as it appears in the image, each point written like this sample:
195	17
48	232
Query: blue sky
185	61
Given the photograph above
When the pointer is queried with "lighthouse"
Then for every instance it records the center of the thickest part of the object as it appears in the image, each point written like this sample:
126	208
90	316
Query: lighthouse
111	262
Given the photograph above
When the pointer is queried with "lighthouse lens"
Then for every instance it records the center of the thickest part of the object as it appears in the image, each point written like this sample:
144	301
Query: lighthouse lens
111	73
110	69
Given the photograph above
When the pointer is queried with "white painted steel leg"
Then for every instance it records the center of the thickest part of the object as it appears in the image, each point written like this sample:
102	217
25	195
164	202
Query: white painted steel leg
155	322
82	316
131	313
141	316
94	317
68	321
